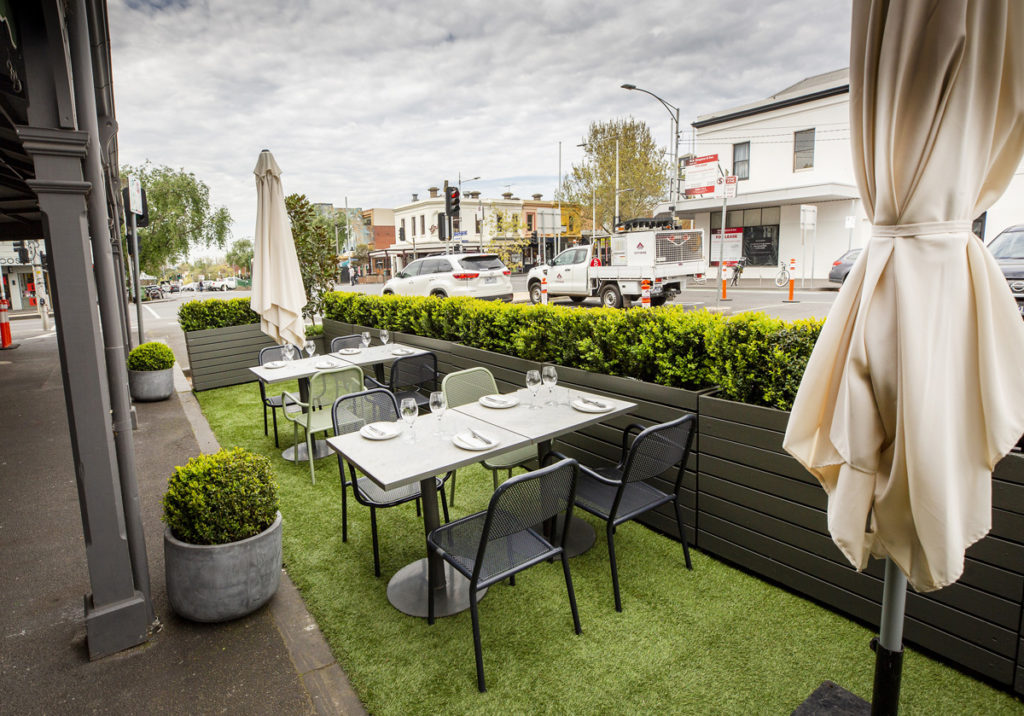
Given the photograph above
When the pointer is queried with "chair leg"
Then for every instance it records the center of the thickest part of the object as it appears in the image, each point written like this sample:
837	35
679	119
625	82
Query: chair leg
494	476
376	549
572	593
451	498
309	454
344	507
615	571
682	534
418	507
444	505
273	414
476	641
295	443
265	419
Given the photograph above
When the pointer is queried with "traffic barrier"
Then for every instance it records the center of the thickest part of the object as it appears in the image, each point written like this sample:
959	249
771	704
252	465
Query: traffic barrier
792	281
645	293
544	290
5	325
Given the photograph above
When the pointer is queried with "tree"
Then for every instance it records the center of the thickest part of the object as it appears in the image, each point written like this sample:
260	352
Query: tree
506	230
180	215
315	248
643	172
240	255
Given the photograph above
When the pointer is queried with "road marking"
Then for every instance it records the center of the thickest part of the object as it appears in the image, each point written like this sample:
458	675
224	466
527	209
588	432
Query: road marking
779	305
154	313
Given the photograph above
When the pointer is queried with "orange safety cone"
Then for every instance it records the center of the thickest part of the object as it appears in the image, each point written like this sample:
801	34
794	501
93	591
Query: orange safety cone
645	293
5	326
544	290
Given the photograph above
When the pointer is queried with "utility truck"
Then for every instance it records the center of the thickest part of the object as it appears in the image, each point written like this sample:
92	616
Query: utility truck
642	249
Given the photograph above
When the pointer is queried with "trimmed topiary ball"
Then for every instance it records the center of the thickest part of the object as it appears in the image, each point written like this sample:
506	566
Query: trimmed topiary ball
224	497
151	356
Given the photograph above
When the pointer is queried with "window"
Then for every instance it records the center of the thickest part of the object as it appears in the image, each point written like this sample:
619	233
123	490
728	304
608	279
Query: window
741	160
436	266
423	224
401	231
481	263
760	233
529	222
414	269
478	225
803	149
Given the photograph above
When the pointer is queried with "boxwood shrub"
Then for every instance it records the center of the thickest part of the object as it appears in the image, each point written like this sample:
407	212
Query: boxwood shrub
151	356
216	313
223	497
751	357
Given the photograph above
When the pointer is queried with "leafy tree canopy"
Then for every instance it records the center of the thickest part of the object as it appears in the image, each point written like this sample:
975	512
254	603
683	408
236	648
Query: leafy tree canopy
240	254
314	244
180	216
643	172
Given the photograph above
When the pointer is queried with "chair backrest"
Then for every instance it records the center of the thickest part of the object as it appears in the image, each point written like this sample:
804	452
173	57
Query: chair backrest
352	341
413	372
271	353
658	448
326	386
353	411
467	386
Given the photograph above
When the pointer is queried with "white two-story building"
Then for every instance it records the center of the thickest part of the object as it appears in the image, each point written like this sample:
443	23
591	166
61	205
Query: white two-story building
793	149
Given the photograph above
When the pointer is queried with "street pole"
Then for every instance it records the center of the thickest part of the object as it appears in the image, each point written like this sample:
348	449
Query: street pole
675	162
558	234
135	264
615	221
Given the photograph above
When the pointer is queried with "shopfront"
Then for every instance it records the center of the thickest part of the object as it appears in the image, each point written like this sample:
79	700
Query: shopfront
760	227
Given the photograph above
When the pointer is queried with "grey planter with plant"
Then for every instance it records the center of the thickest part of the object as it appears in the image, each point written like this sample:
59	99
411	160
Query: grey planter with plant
151	372
222	545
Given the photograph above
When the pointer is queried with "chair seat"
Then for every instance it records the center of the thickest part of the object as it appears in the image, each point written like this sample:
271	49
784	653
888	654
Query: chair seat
512	458
597	498
318	421
273	401
422	401
373	493
461	540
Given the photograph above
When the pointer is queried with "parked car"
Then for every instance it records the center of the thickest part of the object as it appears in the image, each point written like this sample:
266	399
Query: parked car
1008	250
841	266
189	287
222	284
475	275
153	291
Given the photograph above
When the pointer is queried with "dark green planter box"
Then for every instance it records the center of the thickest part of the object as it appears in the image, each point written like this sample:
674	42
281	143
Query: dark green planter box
757	507
222	356
598	444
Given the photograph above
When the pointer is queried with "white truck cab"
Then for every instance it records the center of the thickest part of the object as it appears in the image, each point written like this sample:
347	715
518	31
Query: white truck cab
644	249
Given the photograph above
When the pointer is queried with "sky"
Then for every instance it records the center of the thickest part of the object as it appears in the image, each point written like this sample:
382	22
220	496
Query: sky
370	102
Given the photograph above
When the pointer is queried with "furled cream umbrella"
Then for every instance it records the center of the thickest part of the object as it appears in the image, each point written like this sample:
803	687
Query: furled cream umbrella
277	292
914	390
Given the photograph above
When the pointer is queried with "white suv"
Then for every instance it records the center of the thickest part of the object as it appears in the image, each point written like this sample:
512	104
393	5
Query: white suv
475	275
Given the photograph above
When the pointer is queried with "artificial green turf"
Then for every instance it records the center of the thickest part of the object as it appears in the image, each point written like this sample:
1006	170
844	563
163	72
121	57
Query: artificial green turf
709	641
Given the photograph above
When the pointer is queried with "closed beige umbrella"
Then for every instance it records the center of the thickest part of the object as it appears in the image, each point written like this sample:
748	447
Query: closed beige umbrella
914	390
277	292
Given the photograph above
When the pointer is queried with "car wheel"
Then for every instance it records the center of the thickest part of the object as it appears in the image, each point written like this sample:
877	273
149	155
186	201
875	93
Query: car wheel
224	288
388	292
577	299
439	294
611	297
535	292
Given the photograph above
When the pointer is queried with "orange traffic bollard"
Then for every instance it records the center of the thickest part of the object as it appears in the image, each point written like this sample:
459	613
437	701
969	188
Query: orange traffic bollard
5	325
544	289
792	281
645	293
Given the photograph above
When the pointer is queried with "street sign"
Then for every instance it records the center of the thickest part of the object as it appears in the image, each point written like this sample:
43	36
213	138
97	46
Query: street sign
808	216
459	234
725	187
729	250
134	195
701	175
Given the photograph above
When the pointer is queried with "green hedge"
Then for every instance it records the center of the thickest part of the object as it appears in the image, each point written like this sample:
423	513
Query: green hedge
216	313
753	358
151	356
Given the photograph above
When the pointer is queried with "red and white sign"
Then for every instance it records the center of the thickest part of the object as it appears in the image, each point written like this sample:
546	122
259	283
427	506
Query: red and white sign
701	174
725	187
729	250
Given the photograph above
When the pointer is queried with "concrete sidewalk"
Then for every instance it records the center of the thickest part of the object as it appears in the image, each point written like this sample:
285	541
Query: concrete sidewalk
273	662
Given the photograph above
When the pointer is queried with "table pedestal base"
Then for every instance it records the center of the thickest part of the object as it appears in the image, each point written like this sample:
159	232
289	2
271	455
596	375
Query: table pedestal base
320	450
407	591
581	536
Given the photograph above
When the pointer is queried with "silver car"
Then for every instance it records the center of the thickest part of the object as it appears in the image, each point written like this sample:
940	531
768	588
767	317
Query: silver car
474	275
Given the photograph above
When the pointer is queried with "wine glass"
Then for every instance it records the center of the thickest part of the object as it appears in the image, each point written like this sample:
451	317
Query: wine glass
365	336
533	381
310	347
288	352
409	412
385	336
549	376
438	404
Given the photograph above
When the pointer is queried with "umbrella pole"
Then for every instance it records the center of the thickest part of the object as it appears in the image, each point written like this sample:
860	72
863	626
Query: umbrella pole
888	646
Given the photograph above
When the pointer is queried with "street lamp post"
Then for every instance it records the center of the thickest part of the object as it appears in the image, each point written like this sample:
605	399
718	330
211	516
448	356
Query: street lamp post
673	111
451	239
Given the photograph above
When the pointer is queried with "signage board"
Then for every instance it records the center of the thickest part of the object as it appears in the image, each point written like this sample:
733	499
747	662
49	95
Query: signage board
808	216
701	175
134	195
725	187
731	249
459	234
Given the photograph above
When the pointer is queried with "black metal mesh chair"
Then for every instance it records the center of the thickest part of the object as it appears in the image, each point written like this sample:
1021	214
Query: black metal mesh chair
274	402
349	413
491	546
352	341
412	377
620	493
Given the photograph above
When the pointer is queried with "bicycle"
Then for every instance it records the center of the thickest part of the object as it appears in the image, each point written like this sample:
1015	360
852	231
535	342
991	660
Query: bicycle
782	278
737	271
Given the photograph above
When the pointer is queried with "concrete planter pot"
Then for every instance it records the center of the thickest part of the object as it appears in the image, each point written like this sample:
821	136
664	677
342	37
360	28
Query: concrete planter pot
217	583
151	385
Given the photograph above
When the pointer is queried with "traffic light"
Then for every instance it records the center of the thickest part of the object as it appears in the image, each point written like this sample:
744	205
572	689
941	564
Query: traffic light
442	227
451	201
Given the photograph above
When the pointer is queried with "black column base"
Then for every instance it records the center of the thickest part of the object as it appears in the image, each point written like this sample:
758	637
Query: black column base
885	698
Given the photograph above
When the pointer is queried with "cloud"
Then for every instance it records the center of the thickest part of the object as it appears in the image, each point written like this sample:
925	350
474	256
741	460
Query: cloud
375	101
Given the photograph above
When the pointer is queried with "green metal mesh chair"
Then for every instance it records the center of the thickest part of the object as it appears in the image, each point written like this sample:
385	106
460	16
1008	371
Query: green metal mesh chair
489	547
325	387
467	386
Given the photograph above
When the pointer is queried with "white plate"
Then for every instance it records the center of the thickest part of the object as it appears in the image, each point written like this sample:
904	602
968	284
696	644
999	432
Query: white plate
498	401
584	407
325	364
275	364
348	351
402	352
380	431
466	441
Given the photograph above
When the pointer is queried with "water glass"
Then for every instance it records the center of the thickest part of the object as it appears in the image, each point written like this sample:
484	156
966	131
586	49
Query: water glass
385	336
409	411
438	404
310	347
365	336
549	376
533	382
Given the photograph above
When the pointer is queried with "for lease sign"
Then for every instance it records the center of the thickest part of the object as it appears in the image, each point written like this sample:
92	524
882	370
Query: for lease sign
701	173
